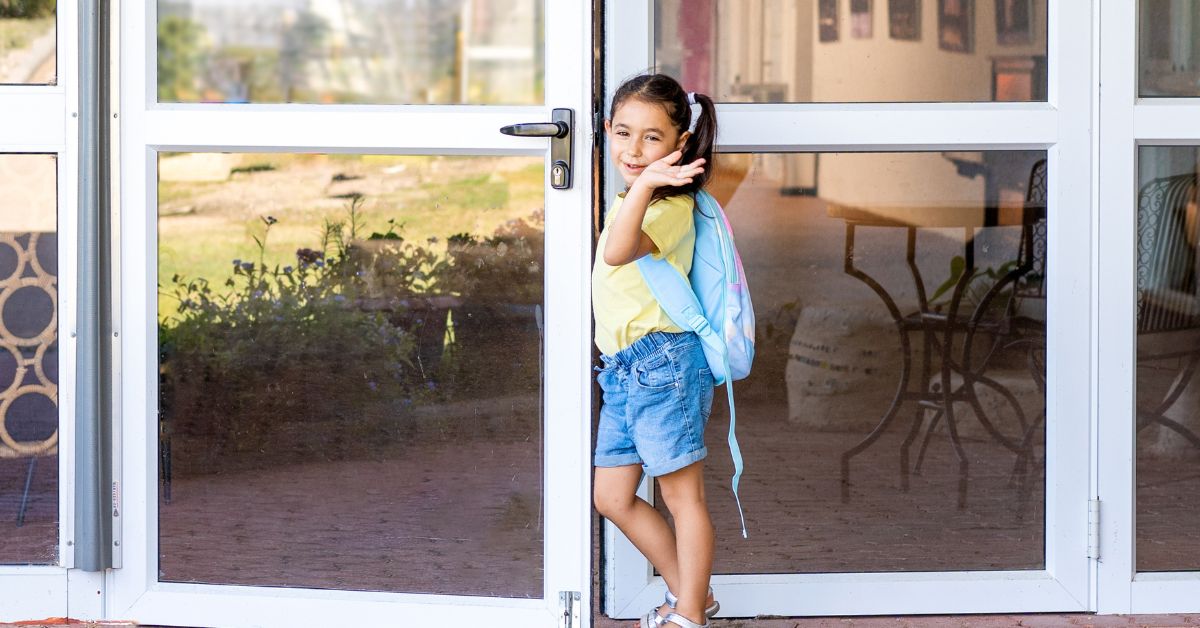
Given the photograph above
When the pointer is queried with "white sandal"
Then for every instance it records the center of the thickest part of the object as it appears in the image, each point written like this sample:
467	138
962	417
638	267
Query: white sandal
654	620
683	622
709	612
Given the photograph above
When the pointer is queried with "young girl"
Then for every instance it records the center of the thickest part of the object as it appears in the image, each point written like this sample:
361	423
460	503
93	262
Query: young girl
656	382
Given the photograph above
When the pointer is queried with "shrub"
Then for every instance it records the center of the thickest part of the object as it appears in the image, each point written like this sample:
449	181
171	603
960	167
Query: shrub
330	356
282	349
506	267
27	8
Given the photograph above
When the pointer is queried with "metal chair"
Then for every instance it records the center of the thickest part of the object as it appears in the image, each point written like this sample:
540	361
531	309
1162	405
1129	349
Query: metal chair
1168	289
30	354
1017	330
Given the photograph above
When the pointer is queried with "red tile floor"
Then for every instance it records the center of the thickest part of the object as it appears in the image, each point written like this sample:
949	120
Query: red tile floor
972	621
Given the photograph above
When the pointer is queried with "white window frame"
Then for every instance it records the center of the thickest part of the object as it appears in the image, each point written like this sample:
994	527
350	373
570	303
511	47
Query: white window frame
1062	127
1127	122
134	591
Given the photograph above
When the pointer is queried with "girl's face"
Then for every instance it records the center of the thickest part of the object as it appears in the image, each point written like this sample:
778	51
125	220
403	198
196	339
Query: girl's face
639	134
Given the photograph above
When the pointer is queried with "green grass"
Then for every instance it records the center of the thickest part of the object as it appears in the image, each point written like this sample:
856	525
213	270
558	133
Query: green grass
172	191
477	191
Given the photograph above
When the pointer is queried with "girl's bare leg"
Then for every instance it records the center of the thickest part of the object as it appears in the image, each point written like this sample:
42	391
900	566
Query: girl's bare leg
616	500
683	492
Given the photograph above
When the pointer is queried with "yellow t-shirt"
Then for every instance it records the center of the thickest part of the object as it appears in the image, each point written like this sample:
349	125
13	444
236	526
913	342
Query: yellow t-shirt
624	307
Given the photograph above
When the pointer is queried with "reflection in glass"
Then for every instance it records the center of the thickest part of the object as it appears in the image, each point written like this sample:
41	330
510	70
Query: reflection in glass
350	372
1169	48
1168	352
956	244
895	51
358	51
28	359
28	46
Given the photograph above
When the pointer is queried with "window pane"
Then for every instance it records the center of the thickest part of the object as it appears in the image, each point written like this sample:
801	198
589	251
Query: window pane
357	51
28	359
1169	48
828	249
1168	351
350	371
856	51
28	45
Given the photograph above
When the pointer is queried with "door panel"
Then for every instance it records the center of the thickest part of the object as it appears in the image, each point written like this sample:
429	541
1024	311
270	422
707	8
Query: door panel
916	179
357	412
1146	398
376	321
37	279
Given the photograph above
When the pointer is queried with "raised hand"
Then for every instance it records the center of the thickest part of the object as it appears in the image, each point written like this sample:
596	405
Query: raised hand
664	172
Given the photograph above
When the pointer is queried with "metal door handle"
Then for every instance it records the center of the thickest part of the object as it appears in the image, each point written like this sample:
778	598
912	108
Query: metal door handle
537	129
559	130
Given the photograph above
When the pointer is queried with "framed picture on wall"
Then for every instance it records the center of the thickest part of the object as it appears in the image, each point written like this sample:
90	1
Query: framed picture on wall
827	19
1014	22
956	24
1019	79
904	19
860	19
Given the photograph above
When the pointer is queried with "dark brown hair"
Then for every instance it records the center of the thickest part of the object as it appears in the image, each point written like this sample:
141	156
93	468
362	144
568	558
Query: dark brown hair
662	90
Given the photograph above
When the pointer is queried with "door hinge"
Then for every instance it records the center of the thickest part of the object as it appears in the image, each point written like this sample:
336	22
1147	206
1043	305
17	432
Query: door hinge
1093	533
568	606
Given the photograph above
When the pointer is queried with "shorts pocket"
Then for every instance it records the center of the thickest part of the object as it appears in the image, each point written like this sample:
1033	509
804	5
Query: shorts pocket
656	372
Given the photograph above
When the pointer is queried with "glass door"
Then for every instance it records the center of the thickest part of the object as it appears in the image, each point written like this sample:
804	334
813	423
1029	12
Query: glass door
909	185
355	361
1149	342
37	210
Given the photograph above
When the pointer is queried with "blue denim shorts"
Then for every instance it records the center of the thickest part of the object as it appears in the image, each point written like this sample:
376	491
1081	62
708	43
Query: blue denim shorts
657	398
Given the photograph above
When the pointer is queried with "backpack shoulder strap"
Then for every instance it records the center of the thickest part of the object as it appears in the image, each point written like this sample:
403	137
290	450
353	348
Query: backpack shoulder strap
674	293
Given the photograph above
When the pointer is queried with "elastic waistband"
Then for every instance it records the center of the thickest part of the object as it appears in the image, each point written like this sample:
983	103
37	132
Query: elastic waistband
644	347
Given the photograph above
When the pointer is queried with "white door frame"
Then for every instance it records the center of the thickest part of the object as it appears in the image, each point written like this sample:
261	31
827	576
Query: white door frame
1127	122
1062	127
134	591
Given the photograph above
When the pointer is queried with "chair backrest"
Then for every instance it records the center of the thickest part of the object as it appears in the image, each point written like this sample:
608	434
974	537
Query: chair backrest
1033	283
27	367
1167	237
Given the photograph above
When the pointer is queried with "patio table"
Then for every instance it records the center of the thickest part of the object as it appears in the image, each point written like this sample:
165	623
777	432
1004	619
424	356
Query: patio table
937	330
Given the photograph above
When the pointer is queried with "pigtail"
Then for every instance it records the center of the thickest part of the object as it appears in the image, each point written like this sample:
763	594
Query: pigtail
701	143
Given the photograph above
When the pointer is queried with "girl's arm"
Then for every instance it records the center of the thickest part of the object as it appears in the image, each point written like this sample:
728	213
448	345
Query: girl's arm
626	240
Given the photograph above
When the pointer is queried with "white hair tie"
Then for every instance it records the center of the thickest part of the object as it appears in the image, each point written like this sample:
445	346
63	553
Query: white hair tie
691	98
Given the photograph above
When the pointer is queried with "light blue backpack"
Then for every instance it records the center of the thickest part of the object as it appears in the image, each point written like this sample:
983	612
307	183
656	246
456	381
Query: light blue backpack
713	301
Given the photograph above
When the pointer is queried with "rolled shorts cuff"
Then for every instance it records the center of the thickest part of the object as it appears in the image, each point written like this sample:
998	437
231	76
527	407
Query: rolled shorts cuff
676	463
617	460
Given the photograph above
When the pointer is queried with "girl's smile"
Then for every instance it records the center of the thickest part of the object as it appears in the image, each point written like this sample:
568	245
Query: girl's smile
634	169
